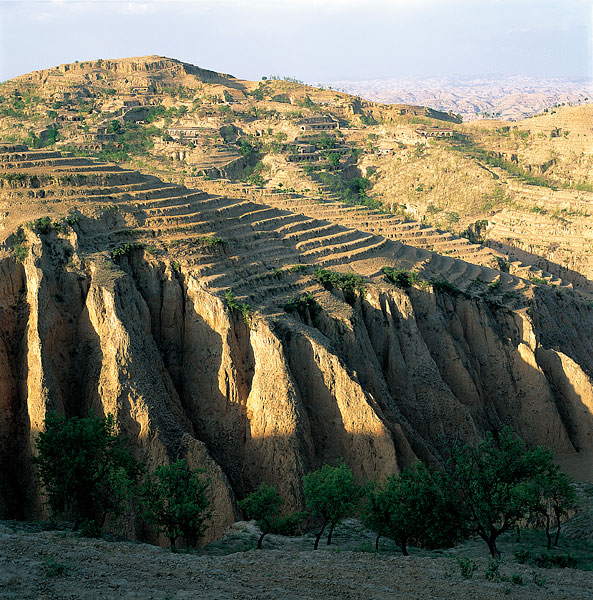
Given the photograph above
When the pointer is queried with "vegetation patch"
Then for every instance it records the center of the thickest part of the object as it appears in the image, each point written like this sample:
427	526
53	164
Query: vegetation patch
242	307
304	305
402	278
20	247
206	241
125	249
442	285
349	283
42	225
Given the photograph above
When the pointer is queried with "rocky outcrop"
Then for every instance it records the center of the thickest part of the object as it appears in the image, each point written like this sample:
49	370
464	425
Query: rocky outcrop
381	382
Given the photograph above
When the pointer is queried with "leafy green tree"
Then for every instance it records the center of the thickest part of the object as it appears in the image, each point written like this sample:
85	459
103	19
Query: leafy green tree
331	493
376	512
114	127
334	159
176	498
85	467
417	507
490	480
550	495
262	505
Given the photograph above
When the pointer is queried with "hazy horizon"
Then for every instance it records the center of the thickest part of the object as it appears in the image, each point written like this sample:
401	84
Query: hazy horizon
327	41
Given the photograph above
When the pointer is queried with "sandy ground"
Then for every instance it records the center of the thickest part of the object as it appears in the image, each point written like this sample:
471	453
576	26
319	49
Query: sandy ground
29	568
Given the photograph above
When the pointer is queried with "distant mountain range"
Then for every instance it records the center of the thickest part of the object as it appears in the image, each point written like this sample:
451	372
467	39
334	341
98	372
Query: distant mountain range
510	98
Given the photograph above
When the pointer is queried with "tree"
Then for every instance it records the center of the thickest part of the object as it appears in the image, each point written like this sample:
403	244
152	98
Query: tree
334	159
85	468
332	494
262	505
417	507
491	480
175	498
376	512
550	495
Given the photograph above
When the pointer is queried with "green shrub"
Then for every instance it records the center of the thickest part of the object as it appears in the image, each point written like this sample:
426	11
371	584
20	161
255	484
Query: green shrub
467	567
242	307
402	278
349	283
548	560
42	225
493	286
305	305
19	247
125	249
492	571
442	285
208	241
289	525
55	569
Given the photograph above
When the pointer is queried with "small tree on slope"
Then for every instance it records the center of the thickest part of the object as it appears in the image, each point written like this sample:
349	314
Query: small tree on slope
85	468
331	493
262	505
175	498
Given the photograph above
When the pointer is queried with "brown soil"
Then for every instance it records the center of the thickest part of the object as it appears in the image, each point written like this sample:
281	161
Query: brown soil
116	570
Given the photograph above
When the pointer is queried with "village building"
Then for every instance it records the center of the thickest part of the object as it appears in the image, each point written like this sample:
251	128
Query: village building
188	133
318	123
435	132
306	148
304	156
385	148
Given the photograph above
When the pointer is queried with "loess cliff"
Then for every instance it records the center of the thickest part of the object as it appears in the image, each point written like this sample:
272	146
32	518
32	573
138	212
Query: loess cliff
199	321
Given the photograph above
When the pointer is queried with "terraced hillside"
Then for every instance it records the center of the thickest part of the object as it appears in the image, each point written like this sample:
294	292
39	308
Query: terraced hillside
260	342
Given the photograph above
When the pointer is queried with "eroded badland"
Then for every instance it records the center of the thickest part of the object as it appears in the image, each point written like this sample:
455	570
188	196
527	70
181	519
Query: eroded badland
185	289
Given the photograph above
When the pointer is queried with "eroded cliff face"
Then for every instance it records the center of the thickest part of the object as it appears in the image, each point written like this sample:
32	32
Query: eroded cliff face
379	383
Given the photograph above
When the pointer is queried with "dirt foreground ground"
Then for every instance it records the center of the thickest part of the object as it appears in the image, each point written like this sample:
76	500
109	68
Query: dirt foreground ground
59	565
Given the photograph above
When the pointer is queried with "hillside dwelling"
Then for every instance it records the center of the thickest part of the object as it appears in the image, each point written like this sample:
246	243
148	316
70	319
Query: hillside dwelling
318	123
143	89
306	148
185	133
339	149
305	156
129	103
385	148
435	132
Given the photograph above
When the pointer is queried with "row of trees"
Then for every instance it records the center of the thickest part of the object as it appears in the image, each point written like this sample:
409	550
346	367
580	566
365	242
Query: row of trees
88	473
484	490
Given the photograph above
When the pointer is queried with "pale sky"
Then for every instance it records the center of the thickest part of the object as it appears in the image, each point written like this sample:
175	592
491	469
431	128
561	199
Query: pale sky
313	40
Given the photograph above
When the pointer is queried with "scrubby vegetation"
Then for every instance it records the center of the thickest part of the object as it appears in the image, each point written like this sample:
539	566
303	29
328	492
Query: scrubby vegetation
349	283
401	277
242	307
305	305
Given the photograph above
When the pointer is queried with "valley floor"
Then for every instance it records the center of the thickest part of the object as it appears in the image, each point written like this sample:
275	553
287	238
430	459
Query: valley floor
60	565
